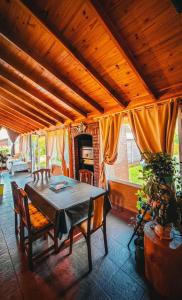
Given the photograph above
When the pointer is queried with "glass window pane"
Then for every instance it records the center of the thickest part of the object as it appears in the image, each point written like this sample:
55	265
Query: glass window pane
127	166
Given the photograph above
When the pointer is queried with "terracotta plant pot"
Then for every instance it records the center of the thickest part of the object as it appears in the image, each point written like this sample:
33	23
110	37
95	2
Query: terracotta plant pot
163	232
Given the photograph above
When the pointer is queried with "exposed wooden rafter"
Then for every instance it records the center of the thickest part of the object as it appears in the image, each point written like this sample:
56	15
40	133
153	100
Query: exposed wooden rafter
10	112
25	90
10	126
50	69
10	122
49	27
45	87
9	118
12	104
121	45
19	103
11	88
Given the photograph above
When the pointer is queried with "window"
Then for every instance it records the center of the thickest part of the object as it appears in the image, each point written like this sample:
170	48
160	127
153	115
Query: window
42	151
38	143
5	143
127	166
55	157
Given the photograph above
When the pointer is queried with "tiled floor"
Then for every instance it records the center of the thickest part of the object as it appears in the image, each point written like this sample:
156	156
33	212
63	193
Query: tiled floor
65	277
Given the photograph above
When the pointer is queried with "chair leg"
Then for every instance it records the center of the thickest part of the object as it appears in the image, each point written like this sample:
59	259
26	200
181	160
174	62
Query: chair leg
55	242
16	223
30	255
22	236
45	236
71	241
89	253
105	237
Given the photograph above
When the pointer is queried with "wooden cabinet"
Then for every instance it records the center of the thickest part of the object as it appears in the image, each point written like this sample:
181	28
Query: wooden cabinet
163	263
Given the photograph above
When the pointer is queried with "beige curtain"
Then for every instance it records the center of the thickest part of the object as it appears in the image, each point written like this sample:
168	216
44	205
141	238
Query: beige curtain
25	147
50	146
154	126
56	139
109	128
60	144
13	136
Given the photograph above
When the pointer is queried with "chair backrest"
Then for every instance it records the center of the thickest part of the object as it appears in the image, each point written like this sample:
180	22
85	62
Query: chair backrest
86	176
96	212
14	188
41	174
24	209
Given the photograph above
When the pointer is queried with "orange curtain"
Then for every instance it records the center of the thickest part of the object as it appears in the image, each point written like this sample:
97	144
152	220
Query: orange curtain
154	126
110	128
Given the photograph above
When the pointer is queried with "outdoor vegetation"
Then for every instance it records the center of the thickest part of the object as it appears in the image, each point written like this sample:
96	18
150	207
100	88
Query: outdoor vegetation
135	170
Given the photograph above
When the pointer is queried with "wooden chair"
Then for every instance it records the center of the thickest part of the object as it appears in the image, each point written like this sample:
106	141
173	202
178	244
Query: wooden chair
96	218
86	176
37	226
14	187
41	173
32	208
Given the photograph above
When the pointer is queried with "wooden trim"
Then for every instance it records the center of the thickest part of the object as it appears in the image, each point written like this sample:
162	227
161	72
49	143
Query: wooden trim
48	68
11	104
12	89
53	31
121	45
19	103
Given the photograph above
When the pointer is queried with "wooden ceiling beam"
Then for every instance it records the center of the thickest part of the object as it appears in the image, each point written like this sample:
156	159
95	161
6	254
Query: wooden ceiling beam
18	116
9	118
29	109
23	86
10	126
44	65
12	88
29	6
12	123
23	118
40	124
121	45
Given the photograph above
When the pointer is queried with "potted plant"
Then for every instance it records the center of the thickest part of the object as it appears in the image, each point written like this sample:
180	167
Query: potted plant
161	181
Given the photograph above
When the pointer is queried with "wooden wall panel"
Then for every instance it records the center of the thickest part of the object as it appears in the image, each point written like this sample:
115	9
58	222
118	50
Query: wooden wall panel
123	194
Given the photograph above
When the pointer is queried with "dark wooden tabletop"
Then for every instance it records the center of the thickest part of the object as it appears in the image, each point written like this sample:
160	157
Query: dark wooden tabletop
56	204
72	195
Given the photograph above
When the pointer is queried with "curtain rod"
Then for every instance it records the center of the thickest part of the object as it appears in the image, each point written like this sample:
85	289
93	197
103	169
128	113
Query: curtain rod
149	105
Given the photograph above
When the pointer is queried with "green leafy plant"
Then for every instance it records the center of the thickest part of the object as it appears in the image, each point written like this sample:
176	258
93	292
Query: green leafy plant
162	182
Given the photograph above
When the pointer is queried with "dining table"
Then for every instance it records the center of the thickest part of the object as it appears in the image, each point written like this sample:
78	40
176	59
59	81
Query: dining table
56	196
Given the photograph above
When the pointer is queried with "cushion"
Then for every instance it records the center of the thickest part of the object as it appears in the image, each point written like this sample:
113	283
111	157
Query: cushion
38	220
32	209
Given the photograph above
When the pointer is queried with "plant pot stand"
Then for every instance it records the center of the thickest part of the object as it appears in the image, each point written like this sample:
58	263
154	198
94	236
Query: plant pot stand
163	263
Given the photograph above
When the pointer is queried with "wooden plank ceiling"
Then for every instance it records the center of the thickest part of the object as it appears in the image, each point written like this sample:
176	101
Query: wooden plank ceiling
66	61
